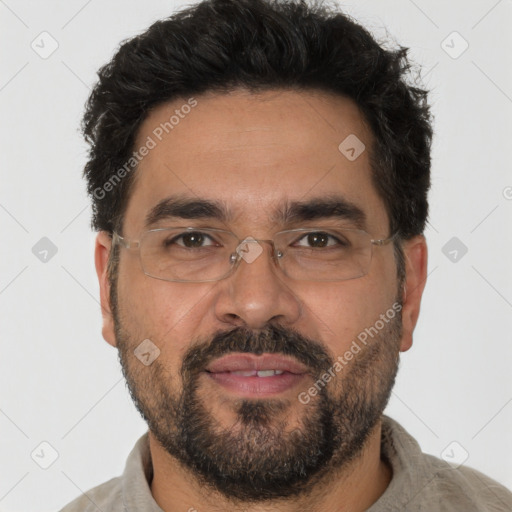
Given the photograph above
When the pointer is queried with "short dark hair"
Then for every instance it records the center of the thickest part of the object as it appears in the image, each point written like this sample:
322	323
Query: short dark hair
222	45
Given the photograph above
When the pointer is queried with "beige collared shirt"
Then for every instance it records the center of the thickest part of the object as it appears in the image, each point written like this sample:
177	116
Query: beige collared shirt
420	483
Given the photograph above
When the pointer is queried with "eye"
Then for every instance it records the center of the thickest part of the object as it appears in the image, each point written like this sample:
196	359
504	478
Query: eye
320	239
192	240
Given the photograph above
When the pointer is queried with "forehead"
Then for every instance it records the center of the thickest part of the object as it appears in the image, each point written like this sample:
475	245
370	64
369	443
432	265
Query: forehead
255	153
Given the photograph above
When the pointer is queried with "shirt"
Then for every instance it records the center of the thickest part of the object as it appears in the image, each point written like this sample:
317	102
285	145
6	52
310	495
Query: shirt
420	482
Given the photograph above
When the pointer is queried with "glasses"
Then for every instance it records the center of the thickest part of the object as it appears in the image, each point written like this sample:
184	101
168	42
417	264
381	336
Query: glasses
197	255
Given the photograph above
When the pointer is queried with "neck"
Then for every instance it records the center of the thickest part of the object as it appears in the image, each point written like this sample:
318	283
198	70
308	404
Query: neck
353	488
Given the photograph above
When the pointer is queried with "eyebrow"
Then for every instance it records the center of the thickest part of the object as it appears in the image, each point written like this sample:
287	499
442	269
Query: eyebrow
186	208
293	212
330	207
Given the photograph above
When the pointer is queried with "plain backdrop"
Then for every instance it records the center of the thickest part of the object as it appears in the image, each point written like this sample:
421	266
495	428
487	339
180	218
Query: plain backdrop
61	383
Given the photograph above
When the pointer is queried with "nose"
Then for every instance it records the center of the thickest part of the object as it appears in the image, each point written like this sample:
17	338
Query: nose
257	292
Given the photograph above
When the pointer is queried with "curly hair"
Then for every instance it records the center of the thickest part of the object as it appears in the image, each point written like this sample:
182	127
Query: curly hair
221	45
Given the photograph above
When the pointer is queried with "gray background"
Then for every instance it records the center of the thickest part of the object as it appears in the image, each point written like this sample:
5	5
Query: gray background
61	383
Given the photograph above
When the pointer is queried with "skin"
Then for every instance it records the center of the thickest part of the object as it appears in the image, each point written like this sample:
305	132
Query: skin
255	152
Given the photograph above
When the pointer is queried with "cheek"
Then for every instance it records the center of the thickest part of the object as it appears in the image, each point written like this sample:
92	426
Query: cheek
166	313
341	311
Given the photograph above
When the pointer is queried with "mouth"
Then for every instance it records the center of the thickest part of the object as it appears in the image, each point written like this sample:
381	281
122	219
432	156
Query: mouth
256	376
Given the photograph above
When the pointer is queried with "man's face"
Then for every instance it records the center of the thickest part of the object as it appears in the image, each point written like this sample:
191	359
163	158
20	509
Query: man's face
255	155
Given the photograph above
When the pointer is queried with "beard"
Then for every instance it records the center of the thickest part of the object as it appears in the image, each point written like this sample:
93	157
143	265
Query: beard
262	455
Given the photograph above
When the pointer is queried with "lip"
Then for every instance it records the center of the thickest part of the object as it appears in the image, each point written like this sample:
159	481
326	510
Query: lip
251	362
220	371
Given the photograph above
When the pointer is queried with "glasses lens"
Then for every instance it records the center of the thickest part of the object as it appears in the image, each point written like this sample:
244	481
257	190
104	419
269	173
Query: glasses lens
187	254
325	254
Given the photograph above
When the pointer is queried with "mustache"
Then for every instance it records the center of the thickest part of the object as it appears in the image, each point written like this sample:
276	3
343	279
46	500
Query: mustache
273	339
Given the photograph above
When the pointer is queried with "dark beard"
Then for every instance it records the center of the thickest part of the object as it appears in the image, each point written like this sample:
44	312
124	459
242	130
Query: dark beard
261	457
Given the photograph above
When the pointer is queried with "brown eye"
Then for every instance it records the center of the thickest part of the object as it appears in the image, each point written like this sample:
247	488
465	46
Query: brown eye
319	240
191	240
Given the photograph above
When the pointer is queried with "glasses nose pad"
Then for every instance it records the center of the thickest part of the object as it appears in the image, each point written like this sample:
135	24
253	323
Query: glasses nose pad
276	255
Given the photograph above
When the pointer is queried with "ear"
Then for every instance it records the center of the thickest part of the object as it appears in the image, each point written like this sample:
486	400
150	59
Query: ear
101	254
415	253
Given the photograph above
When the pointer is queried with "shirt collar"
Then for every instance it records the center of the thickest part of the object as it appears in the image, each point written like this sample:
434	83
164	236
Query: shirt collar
137	477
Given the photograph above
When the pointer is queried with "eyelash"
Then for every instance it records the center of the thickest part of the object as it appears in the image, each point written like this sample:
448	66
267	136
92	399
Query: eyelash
174	239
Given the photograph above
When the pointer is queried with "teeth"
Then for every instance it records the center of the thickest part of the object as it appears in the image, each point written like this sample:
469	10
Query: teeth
266	373
260	373
244	373
269	373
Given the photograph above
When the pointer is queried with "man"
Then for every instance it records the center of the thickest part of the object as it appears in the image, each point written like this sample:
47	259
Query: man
259	175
